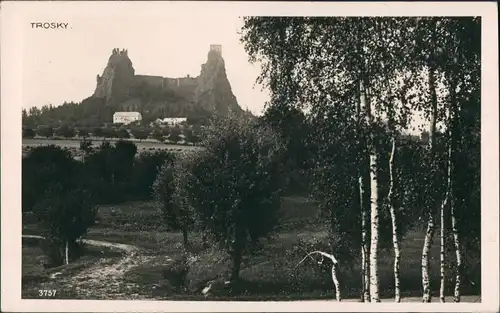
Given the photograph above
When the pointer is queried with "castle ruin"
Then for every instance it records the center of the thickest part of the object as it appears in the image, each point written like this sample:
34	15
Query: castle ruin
118	80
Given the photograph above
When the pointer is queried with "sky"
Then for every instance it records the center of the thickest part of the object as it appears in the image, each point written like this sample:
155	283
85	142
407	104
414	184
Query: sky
61	64
169	39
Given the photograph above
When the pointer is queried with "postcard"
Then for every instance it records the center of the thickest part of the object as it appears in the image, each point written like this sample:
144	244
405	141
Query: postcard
249	156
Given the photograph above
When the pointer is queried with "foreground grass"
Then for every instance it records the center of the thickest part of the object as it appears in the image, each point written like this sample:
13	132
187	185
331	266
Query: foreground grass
269	274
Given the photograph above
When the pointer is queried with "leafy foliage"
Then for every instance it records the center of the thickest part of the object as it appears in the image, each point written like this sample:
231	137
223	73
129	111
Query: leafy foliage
43	167
28	132
45	131
234	185
65	131
140	133
175	134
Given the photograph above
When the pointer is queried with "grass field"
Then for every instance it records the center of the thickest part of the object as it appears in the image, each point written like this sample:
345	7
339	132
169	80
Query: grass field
269	274
75	143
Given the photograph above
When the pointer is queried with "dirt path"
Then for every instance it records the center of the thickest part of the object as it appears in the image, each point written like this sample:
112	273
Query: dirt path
106	278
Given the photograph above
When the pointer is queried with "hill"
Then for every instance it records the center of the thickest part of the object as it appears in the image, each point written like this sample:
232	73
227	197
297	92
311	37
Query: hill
119	88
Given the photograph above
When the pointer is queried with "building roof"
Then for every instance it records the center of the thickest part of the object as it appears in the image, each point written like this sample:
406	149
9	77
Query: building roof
127	114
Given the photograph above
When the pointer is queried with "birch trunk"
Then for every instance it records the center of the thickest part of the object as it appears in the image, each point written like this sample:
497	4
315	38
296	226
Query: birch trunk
336	282
365	273
392	208
444	206
429	234
334	270
456	238
458	253
66	253
374	292
442	264
374	285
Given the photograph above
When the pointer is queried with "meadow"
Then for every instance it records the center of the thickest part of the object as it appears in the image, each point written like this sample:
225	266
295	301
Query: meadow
154	270
73	145
145	144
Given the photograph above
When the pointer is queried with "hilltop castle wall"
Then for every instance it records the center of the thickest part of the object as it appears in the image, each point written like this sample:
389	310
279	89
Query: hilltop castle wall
210	90
153	81
165	83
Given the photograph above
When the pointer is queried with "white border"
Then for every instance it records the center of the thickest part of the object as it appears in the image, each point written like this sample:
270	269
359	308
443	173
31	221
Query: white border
12	15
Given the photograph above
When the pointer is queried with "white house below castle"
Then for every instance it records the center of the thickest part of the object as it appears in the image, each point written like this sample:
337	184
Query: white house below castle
172	121
126	117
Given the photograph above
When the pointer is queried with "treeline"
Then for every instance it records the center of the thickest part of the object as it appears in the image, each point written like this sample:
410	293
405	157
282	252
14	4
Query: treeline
172	134
93	112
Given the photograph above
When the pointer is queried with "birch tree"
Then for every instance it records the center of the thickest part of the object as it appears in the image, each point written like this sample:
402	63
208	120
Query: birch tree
462	68
444	49
317	64
335	263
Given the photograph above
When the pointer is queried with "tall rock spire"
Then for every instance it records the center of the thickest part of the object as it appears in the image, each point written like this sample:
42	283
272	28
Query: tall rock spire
117	78
214	92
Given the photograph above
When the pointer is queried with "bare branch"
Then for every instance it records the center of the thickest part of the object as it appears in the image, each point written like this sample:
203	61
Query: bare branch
331	257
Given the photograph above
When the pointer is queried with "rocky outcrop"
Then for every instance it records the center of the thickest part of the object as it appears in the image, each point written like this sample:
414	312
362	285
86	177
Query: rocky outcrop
115	82
214	90
210	91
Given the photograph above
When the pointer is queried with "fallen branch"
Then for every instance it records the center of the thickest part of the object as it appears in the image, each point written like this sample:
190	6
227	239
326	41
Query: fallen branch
334	269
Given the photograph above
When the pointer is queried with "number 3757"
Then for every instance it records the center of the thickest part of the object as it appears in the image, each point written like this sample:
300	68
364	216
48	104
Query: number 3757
46	293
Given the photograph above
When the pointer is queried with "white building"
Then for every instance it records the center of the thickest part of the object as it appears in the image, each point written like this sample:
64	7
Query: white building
172	120
126	117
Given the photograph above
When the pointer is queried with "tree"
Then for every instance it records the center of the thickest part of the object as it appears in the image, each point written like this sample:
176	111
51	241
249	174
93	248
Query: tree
147	170
122	133
123	157
175	134
98	132
66	214
461	65
45	131
28	133
171	199
188	134
109	132
196	136
65	131
337	68
234	185
83	132
140	133
165	131
440	42
42	167
292	125
158	135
